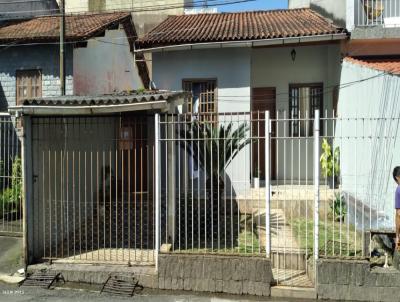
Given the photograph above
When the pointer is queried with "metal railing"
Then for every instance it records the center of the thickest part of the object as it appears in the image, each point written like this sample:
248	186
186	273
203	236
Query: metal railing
10	178
377	12
325	189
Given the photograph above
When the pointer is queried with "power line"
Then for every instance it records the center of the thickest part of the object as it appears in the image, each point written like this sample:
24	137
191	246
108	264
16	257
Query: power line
16	44
194	4
19	1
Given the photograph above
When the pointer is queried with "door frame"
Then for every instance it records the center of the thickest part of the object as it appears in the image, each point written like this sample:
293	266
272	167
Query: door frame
269	104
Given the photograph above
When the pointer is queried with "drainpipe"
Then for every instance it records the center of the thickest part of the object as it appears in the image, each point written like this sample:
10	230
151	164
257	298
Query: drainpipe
157	184
62	47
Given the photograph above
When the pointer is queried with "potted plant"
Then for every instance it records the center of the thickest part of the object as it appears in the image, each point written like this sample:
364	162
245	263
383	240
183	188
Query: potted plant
256	178
330	163
338	207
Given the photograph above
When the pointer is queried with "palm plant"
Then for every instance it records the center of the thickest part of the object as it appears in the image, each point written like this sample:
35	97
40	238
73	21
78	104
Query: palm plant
214	147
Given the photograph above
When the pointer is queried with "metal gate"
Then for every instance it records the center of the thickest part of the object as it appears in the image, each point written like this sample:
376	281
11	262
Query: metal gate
10	179
93	189
216	196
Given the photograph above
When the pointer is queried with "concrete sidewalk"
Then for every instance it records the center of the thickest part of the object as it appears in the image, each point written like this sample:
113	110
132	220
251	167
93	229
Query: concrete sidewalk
12	293
10	258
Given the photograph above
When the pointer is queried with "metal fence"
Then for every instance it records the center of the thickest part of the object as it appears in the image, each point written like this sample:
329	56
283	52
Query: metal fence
10	178
93	189
119	188
377	12
291	189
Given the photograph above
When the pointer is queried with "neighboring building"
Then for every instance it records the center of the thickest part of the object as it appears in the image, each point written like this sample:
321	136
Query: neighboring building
334	10
369	113
99	57
98	139
374	24
372	51
11	10
279	61
146	14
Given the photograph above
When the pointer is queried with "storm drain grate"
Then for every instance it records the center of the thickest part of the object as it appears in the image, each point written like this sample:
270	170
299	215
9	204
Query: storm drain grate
43	279
121	286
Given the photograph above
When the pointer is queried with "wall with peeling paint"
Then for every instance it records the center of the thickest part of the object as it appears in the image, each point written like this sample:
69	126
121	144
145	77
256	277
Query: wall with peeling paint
105	66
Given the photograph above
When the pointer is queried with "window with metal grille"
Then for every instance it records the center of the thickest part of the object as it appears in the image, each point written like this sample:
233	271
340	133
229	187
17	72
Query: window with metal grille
204	99
304	99
29	84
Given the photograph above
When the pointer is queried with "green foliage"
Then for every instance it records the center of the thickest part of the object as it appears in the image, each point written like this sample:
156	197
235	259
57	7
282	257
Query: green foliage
330	163
338	207
11	197
140	90
335	239
208	143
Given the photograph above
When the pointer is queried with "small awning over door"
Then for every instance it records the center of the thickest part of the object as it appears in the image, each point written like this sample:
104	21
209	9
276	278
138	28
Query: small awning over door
105	104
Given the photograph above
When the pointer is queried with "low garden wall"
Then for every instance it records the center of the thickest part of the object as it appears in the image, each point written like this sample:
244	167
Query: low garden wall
211	273
356	281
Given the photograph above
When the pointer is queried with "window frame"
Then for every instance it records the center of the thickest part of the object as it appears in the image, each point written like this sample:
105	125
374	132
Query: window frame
292	119
25	72
212	81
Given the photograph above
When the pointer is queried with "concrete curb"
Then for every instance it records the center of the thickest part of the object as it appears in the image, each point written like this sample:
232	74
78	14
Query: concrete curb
10	279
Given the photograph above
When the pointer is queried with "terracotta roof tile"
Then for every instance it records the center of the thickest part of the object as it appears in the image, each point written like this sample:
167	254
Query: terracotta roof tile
221	27
387	65
78	27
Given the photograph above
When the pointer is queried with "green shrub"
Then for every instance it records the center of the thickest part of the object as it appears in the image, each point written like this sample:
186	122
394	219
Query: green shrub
338	207
10	198
330	161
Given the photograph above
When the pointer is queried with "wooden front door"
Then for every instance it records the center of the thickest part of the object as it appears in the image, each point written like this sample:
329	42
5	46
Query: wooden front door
263	99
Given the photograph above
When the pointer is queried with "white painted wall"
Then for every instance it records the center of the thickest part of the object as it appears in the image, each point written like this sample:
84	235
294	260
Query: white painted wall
367	162
274	67
231	69
299	3
336	10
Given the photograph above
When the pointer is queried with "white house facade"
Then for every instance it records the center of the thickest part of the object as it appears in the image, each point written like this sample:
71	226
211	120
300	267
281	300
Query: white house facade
256	75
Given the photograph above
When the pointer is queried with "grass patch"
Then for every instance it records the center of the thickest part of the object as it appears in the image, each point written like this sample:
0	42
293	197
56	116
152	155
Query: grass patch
330	242
247	243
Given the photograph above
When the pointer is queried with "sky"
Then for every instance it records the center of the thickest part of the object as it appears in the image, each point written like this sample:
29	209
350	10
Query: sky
254	5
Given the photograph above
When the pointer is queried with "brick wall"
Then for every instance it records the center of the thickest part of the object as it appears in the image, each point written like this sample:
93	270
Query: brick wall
355	281
211	273
44	57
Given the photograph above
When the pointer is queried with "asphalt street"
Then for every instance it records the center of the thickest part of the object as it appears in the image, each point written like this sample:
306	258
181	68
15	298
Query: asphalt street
12	293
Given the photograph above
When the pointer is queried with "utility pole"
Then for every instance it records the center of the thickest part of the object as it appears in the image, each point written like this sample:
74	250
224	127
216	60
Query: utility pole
62	46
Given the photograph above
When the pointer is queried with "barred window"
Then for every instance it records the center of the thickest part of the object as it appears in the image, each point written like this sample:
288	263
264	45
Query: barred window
29	85
304	99
203	99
